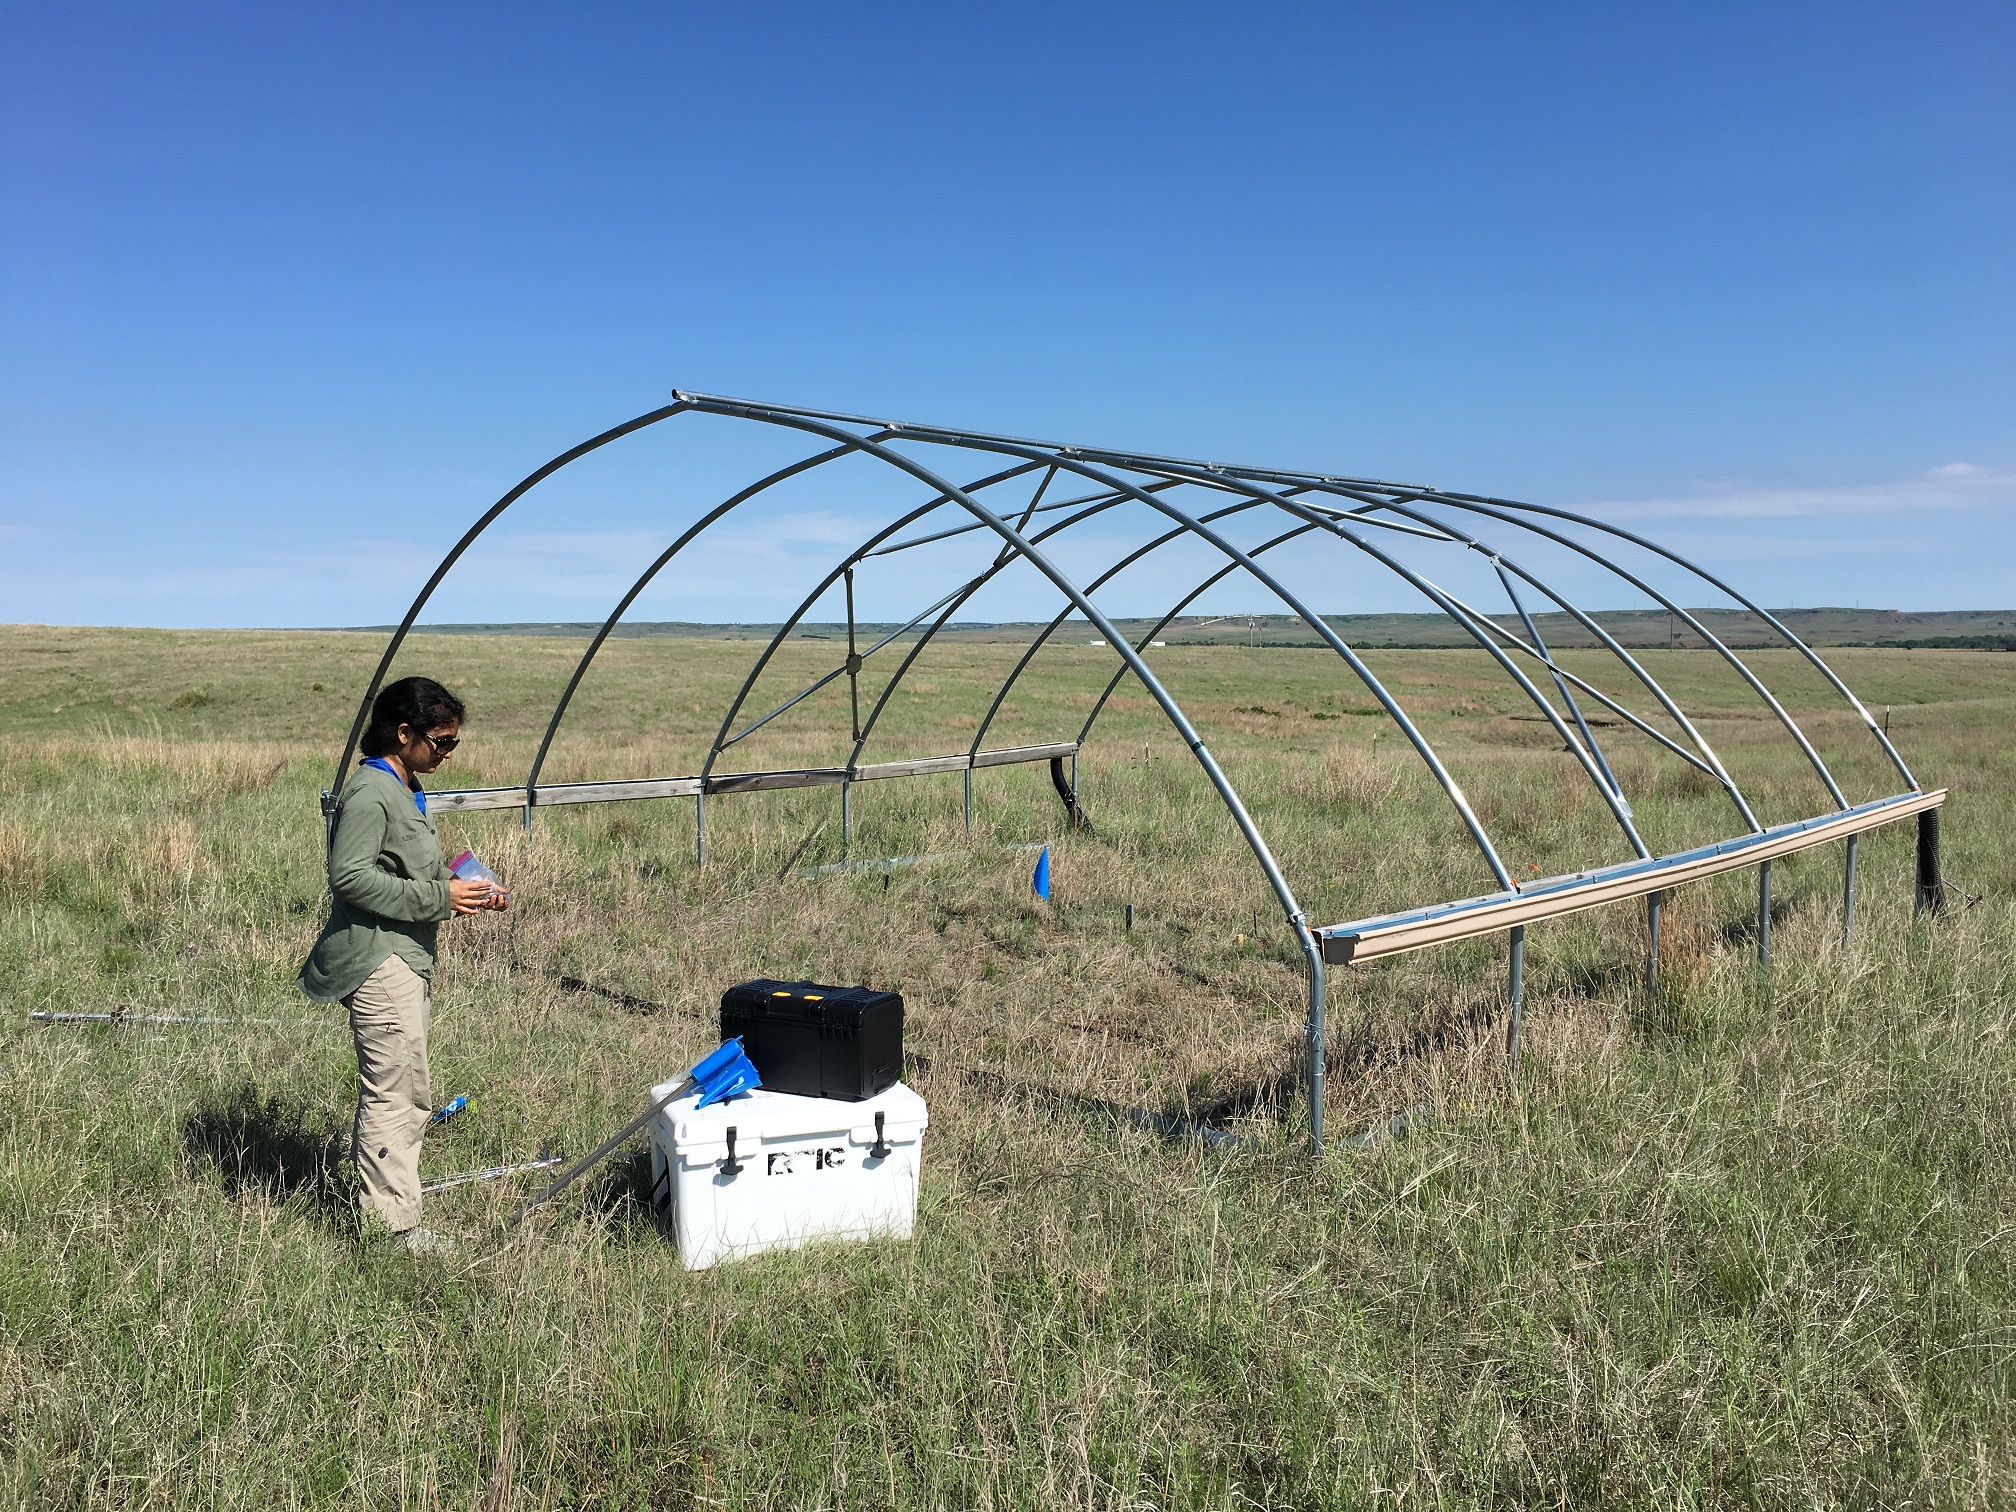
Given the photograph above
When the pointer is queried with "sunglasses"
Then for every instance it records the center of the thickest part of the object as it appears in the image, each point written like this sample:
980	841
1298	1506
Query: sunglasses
442	744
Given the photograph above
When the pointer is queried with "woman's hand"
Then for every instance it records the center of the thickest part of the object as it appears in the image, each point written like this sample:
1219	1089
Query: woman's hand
473	896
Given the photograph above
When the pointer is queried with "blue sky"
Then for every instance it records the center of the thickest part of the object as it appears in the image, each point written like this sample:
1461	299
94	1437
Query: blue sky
291	293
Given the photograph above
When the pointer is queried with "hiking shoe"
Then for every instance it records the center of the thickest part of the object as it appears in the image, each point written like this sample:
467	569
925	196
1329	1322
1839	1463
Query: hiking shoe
422	1241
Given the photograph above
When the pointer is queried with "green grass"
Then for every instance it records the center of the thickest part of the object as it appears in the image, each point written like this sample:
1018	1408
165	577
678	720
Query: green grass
1743	1243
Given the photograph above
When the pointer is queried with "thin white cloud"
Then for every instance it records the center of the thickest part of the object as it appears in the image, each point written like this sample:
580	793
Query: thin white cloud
1952	486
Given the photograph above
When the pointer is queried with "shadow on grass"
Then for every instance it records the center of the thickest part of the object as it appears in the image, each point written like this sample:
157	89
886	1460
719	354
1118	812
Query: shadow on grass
620	1194
1601	982
610	994
1174	1126
272	1146
1455	1028
1741	932
622	1185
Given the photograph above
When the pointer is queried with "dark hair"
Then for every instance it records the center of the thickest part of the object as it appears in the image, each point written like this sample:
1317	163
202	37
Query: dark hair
420	703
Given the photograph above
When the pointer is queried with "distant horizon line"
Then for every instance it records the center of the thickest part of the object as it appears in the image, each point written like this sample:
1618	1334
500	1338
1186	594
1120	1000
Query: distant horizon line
1235	619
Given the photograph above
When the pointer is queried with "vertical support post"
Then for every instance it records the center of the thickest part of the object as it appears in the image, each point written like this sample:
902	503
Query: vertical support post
700	828
853	662
1516	990
1654	905
1764	917
854	707
528	811
969	805
1930	894
1848	894
1312	954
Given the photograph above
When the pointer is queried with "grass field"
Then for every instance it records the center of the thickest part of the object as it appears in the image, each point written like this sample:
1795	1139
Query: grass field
1744	1243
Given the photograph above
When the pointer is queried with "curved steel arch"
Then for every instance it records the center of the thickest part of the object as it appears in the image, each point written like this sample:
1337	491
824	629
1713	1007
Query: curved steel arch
1308	617
1442	601
1742	667
1373	504
1395	498
1868	719
686	537
524	486
1497	509
1512	640
825	585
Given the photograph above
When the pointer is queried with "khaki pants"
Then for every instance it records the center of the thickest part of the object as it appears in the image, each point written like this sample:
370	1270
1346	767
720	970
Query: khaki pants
388	1021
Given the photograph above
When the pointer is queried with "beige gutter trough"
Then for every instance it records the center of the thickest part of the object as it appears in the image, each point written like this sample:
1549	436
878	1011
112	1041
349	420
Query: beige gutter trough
1553	897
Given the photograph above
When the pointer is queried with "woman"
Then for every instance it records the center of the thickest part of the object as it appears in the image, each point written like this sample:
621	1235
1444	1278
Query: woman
389	890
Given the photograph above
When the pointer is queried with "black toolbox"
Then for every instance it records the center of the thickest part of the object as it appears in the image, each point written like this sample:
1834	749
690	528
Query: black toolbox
815	1041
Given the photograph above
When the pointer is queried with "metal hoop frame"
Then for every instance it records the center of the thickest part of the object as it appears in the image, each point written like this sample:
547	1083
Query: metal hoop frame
1344	509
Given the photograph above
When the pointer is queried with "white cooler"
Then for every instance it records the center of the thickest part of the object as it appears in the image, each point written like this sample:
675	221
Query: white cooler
802	1168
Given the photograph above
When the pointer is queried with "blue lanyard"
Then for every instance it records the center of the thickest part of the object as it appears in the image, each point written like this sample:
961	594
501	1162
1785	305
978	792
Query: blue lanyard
419	798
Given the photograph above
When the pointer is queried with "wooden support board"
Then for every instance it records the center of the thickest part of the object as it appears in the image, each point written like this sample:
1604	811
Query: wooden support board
613	792
1552	897
467	799
763	782
924	767
475	798
1012	754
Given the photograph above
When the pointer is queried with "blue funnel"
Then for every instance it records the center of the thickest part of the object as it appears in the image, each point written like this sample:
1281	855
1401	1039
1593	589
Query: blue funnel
724	1074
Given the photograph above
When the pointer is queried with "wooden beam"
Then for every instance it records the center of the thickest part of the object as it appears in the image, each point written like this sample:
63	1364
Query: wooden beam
923	767
475	798
763	782
1553	897
1012	754
733	782
616	792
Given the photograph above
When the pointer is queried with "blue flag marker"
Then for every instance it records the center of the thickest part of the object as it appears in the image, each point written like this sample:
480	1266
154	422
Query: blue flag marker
1041	879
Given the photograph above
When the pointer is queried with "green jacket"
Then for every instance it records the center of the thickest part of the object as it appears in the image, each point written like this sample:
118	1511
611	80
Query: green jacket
388	886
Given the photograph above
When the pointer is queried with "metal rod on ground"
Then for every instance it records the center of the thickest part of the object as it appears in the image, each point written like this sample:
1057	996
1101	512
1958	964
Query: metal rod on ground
1516	988
1764	917
594	1156
491	1173
1653	902
1848	894
120	1017
1930	893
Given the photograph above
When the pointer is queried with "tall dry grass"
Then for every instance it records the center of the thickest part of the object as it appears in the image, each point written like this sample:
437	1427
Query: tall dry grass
1740	1241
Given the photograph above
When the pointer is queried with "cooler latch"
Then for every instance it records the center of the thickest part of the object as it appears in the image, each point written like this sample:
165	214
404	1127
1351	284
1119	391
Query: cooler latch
880	1149
731	1166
